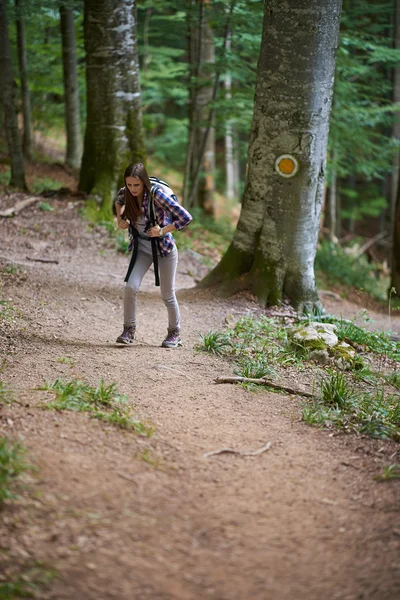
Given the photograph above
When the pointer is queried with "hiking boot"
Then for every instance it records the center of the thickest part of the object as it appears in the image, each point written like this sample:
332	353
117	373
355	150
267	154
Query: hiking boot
173	339
127	336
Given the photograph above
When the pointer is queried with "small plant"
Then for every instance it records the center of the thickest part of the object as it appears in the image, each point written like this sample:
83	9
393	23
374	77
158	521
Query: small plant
11	269
389	472
66	360
12	464
214	342
45	206
254	368
6	395
7	311
336	392
78	396
16	589
28	584
379	415
394	379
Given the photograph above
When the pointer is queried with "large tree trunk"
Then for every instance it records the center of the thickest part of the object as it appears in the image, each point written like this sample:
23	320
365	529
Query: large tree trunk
9	105
274	245
71	90
27	140
114	132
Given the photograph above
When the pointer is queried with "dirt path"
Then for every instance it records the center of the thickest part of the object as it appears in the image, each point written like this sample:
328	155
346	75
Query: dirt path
305	520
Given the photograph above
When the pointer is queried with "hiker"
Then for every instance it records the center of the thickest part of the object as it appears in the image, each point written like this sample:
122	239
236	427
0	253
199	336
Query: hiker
150	210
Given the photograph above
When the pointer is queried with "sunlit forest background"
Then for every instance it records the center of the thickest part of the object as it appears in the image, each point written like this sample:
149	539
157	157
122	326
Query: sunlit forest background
356	232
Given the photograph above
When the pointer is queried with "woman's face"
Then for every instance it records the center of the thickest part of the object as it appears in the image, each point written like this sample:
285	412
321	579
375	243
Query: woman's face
134	185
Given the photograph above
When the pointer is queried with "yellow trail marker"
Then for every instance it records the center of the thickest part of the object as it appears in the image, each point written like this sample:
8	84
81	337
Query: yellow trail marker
286	165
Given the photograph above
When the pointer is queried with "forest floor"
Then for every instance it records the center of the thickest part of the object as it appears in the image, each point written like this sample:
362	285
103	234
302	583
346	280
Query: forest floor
111	514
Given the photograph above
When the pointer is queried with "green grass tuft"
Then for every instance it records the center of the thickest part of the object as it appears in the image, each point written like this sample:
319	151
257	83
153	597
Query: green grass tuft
102	402
12	464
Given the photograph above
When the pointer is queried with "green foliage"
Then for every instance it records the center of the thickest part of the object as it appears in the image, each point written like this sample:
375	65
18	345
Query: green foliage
6	395
7	311
338	266
254	368
166	77
336	392
260	347
45	206
78	396
66	360
12	464
29	584
389	472
214	342
208	236
394	379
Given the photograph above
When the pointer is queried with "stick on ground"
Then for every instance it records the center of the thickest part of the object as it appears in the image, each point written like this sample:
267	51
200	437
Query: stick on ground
266	382
241	452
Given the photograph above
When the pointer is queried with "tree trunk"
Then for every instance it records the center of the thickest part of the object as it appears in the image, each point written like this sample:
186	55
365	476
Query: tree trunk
396	123
27	140
395	279
332	209
9	105
114	132
274	246
231	162
200	160
71	90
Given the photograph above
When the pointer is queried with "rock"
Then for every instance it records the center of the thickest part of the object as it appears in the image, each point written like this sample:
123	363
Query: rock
344	356
320	356
316	335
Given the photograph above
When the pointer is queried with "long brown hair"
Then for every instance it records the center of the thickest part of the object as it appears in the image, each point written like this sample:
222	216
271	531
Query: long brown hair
133	205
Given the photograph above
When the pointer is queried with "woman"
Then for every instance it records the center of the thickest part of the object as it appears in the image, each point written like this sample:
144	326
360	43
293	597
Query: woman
150	214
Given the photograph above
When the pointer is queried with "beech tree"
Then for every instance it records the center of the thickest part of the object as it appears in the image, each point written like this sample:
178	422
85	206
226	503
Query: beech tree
71	90
273	249
9	104
198	187
395	281
114	135
27	141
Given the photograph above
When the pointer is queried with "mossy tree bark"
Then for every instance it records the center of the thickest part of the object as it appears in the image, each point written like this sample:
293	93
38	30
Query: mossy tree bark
9	105
114	132
71	90
274	246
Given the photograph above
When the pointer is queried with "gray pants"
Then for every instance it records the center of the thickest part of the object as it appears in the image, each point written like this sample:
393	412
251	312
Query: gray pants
167	266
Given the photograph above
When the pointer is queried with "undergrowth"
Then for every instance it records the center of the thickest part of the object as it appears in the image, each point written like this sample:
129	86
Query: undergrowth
337	264
29	584
12	464
102	402
357	400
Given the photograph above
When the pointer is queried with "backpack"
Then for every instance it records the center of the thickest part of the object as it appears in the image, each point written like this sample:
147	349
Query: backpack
155	182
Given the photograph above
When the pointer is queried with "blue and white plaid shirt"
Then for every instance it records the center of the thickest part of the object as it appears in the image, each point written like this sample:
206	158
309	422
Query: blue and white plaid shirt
167	210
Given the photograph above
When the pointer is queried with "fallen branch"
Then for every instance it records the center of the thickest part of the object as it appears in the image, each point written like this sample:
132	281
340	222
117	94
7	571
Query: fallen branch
43	260
10	212
241	452
266	382
127	478
370	243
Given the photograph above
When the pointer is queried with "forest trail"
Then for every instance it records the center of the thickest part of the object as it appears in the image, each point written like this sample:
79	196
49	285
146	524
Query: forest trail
116	515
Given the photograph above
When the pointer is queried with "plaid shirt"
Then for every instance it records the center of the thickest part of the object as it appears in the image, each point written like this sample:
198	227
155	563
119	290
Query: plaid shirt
167	210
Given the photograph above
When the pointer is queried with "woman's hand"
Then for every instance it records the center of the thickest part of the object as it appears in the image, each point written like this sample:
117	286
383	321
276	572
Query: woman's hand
122	224
154	231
